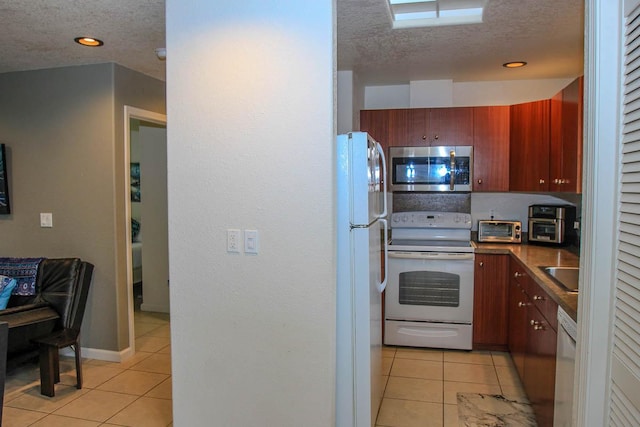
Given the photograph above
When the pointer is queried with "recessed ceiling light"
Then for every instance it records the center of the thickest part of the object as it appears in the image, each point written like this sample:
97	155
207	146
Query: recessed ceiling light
88	41
514	64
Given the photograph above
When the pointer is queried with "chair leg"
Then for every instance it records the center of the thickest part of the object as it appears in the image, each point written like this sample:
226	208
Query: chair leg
56	365
48	367
76	348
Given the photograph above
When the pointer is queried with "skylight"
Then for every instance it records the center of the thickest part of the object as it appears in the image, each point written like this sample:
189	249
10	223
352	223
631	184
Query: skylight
426	13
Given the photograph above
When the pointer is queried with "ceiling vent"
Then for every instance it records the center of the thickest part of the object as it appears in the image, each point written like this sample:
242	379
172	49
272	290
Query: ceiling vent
417	13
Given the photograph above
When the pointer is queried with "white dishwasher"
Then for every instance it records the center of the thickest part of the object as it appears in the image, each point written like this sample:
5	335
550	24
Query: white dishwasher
565	363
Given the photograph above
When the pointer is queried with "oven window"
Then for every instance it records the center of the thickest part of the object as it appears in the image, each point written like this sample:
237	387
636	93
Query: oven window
545	231
432	288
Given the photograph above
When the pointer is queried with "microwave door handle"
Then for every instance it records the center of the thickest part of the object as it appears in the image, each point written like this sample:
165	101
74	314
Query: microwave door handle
384	186
452	156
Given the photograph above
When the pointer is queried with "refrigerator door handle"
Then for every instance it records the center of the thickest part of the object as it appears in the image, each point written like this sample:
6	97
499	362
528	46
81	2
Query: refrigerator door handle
384	187
383	285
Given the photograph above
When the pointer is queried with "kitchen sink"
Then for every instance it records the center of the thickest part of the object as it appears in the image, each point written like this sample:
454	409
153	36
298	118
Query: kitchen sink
567	277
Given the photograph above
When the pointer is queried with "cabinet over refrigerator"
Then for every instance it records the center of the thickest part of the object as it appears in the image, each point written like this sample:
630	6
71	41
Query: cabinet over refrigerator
362	230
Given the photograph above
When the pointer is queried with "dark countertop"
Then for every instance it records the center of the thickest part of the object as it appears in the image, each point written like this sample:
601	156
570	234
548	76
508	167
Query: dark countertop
535	256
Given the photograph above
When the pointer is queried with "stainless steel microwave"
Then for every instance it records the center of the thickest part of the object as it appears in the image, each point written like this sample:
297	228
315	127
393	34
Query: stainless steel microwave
442	168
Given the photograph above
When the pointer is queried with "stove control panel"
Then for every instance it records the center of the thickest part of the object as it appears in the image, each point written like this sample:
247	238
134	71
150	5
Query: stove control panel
423	219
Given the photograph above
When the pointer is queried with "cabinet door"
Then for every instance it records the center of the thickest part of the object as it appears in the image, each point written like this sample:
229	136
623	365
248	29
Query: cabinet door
450	126
376	124
518	303
555	142
491	148
540	367
566	172
572	113
490	314
407	127
417	127
529	146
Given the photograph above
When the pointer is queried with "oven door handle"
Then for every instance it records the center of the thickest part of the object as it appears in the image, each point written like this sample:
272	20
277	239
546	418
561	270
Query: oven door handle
432	256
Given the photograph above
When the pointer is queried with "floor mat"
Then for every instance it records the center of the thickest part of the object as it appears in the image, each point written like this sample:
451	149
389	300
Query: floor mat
493	410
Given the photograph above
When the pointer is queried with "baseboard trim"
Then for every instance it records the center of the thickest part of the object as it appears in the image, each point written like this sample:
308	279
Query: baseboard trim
99	354
154	308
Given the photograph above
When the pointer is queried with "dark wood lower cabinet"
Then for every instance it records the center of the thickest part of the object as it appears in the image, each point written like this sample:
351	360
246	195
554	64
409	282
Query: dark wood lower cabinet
532	344
490	316
540	367
518	302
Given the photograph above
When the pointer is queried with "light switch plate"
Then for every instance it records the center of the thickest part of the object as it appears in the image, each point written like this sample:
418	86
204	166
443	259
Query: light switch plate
251	241
46	220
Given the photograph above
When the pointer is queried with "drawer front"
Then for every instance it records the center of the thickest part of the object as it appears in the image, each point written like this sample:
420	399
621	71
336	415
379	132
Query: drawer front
541	300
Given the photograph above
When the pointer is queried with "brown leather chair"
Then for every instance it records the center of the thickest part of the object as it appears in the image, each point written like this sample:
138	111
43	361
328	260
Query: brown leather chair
66	294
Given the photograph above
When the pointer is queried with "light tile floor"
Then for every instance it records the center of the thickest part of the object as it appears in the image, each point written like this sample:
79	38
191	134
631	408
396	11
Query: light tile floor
422	384
134	393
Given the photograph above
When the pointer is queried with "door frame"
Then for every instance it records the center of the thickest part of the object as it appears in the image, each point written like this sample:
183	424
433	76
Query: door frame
152	117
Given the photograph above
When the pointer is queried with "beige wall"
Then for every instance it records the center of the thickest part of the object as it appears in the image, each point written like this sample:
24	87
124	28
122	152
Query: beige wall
63	129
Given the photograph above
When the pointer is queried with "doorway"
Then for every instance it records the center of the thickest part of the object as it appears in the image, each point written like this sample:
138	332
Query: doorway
146	215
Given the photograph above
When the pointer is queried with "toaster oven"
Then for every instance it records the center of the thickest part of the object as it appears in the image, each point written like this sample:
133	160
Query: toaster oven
499	231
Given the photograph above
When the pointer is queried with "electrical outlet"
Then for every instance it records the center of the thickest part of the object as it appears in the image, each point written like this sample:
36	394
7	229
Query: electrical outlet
46	220
233	240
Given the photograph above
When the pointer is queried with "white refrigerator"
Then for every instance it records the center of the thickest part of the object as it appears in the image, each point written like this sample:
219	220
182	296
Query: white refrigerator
362	247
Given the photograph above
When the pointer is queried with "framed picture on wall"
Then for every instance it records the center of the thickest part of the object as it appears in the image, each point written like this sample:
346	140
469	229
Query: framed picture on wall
5	207
135	182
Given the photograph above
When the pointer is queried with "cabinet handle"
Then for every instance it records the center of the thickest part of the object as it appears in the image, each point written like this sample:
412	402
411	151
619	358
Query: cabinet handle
518	274
556	181
424	137
541	181
479	181
537	326
538	298
481	264
522	304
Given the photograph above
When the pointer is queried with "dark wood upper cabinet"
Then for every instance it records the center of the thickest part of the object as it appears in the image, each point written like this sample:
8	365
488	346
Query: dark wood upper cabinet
529	146
565	172
407	127
376	124
491	148
450	126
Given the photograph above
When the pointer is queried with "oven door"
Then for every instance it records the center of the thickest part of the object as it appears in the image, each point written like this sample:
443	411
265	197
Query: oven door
430	287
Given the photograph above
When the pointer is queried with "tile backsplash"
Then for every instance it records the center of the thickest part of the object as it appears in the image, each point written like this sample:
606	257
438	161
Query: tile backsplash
437	202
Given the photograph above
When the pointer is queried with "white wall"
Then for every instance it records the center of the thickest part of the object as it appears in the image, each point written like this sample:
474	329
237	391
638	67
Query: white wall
153	215
251	142
446	93
381	97
345	101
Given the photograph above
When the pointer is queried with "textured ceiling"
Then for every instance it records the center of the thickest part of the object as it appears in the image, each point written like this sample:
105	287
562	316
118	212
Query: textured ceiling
39	34
548	34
